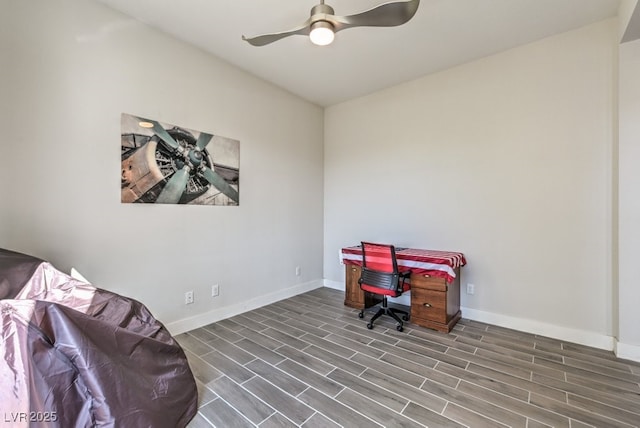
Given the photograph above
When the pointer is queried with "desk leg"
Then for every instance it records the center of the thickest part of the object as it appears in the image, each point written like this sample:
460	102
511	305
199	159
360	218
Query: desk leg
353	295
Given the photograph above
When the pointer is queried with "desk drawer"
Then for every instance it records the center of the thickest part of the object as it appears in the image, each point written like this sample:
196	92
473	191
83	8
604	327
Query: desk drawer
429	282
429	304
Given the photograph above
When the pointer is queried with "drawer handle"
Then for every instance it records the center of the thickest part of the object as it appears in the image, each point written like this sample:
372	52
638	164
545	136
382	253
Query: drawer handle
427	276
353	269
427	305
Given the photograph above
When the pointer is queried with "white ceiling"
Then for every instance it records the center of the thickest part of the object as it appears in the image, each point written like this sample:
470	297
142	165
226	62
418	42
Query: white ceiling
442	34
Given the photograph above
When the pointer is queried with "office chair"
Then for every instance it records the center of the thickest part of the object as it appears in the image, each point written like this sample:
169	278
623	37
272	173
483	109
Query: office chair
380	276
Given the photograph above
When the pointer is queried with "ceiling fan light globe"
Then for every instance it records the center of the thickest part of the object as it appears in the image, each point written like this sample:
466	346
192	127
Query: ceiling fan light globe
321	33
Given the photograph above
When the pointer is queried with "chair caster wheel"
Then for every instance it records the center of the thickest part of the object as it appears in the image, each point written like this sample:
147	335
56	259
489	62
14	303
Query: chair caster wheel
369	326
399	328
405	318
360	315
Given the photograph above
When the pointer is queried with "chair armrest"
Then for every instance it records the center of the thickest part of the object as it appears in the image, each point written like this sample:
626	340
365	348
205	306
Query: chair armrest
405	274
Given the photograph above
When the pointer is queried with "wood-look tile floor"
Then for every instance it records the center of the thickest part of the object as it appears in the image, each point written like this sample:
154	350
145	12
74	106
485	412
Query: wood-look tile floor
309	361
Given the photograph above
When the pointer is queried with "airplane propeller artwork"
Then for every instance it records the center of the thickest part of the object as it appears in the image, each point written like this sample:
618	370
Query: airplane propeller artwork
190	162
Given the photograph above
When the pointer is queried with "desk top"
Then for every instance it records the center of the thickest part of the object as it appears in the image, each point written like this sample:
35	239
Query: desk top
442	264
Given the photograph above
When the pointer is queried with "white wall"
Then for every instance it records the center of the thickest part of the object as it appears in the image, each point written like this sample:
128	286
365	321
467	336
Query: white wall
629	179
507	159
69	69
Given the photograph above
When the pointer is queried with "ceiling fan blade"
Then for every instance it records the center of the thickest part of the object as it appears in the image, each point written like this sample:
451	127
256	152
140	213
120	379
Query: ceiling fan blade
203	140
385	15
265	39
214	178
174	188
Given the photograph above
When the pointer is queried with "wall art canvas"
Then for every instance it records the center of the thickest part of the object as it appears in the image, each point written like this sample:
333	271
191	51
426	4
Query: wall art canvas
169	164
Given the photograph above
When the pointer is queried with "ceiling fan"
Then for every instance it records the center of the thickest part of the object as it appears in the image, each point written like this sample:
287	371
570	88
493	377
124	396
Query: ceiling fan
323	23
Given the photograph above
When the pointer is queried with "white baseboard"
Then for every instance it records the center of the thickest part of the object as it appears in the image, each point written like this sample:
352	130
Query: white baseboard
601	341
336	285
573	335
627	351
581	337
200	320
587	338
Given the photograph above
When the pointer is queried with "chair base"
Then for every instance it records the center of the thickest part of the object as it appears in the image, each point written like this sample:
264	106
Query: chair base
386	310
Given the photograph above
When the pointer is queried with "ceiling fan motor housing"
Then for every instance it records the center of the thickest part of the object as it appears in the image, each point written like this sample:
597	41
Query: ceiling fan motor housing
319	13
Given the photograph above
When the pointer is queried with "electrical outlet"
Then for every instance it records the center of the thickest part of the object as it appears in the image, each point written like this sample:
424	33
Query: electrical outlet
215	290
471	289
188	297
297	270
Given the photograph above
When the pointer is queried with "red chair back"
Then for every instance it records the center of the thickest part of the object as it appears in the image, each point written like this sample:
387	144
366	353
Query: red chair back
380	257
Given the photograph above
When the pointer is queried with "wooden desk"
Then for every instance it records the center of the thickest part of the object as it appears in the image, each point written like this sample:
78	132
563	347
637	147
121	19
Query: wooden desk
435	285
